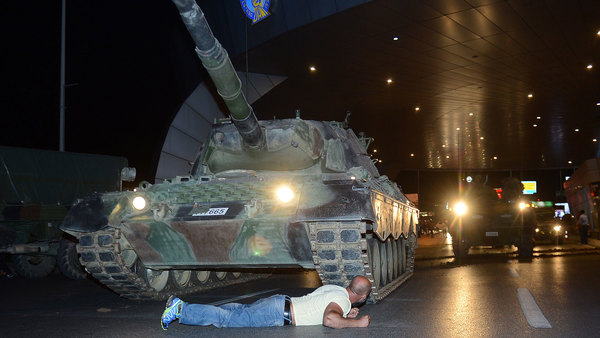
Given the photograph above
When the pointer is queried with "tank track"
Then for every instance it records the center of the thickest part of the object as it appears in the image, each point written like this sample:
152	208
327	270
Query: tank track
340	252
101	255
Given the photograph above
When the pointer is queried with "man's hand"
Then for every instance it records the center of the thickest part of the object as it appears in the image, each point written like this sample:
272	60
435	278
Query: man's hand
364	320
353	313
333	317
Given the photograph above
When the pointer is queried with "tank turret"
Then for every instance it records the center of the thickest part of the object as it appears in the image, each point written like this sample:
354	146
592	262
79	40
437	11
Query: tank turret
216	61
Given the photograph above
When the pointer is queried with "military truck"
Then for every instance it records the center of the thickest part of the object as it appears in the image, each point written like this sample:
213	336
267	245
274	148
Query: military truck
262	194
482	219
37	187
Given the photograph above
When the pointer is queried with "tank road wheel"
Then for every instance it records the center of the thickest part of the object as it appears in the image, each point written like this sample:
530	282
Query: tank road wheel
384	263
374	261
181	278
33	266
156	279
394	244
221	275
68	260
390	259
202	276
402	255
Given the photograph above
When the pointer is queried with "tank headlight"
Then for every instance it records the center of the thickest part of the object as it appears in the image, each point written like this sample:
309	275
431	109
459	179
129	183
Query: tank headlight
522	205
557	228
460	208
139	203
285	194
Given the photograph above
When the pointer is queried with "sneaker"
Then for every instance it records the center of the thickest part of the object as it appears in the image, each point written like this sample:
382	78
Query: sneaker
172	312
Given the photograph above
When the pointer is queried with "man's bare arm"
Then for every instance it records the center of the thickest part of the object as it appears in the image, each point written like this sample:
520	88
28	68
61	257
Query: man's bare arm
334	318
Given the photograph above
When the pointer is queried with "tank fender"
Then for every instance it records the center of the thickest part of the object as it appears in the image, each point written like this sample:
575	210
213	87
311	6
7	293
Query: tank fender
86	216
339	200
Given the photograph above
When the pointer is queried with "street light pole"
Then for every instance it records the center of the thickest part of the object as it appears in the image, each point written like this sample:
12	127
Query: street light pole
61	141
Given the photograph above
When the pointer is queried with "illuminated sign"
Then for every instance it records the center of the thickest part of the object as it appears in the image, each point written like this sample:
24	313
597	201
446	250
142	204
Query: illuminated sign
256	10
529	187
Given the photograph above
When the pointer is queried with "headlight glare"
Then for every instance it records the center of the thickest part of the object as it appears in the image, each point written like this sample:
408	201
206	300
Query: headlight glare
522	205
460	208
557	228
139	203
285	194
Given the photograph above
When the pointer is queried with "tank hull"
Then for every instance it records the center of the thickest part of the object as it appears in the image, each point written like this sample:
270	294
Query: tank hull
332	224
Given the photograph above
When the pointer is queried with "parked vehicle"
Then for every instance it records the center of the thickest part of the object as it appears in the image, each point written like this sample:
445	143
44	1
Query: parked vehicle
37	188
548	227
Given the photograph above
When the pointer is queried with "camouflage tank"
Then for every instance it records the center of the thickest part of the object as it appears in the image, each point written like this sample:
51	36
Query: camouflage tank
262	194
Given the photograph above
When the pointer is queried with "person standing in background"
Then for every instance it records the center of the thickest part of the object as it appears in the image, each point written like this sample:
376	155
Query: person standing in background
582	222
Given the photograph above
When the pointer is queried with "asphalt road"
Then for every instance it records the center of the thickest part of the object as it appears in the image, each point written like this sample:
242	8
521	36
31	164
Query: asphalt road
490	294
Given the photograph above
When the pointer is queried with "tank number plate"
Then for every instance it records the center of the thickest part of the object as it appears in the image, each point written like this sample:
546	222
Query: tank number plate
491	234
213	212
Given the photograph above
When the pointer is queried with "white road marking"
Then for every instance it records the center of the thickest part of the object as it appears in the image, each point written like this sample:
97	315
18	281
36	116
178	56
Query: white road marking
532	311
513	273
230	300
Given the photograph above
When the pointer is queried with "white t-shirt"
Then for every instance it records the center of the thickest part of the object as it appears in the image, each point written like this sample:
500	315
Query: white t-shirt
309	309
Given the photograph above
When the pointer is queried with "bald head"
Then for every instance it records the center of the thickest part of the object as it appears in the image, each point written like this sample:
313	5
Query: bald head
360	285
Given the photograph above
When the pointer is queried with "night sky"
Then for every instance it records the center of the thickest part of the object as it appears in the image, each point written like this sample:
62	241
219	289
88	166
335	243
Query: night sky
129	68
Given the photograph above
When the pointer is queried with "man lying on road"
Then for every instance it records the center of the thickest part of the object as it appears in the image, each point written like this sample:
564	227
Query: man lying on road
329	305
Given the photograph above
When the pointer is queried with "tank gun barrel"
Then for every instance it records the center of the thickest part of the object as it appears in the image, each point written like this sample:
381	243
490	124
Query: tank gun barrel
216	61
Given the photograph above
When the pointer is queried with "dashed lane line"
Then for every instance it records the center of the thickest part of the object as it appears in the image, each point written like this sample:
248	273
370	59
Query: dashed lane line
532	311
513	272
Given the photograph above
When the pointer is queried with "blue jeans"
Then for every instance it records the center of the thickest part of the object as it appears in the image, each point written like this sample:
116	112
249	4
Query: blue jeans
264	312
